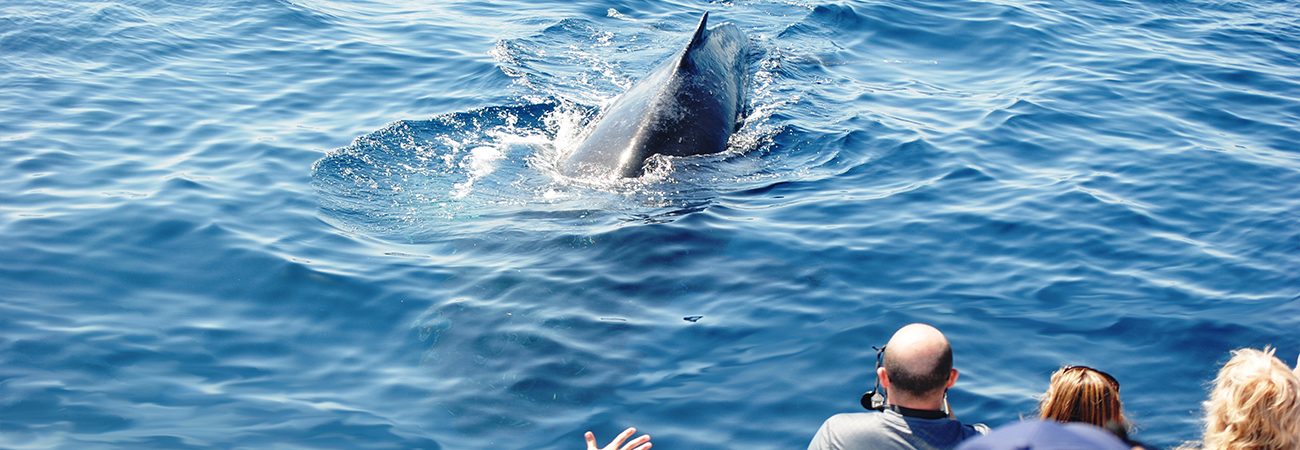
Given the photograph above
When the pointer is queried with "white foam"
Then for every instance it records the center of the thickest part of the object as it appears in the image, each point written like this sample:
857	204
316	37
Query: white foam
481	162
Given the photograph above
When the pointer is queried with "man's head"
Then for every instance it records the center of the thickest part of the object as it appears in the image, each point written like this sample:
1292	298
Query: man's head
917	367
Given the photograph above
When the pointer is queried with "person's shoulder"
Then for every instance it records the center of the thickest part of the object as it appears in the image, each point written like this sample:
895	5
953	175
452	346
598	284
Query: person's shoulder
843	428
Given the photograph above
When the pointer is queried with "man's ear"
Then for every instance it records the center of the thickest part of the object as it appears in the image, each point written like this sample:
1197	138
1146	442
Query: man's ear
883	377
952	379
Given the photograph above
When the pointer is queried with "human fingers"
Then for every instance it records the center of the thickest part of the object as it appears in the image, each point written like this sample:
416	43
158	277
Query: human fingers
640	443
591	441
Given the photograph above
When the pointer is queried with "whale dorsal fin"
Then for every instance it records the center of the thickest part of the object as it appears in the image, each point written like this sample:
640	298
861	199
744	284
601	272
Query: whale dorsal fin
697	41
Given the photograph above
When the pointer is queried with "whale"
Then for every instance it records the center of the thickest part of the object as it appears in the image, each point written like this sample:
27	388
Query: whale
690	104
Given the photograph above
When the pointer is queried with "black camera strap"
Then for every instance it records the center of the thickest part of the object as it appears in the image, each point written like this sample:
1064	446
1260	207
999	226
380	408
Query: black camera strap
875	398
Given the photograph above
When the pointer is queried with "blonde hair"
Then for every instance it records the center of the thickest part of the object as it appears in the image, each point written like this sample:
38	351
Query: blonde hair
1082	394
1254	404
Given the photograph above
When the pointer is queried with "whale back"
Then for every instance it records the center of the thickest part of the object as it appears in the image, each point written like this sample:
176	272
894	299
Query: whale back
688	105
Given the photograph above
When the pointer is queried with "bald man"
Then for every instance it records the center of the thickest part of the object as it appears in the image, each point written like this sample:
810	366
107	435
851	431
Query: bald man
916	373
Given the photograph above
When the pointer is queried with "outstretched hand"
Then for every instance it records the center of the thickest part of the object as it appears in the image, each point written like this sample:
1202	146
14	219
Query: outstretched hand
640	443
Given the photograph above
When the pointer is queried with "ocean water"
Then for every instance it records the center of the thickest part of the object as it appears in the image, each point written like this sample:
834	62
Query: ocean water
337	224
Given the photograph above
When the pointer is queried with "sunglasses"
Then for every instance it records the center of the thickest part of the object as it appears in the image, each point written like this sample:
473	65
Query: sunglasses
1109	379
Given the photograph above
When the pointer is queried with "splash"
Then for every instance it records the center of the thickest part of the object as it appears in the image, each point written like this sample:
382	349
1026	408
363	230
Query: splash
489	169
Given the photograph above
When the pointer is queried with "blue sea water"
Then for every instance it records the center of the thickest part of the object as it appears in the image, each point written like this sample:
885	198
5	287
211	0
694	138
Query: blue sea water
337	224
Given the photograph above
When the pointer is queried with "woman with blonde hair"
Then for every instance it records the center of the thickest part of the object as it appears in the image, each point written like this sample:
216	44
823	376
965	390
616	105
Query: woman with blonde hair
1254	404
1083	394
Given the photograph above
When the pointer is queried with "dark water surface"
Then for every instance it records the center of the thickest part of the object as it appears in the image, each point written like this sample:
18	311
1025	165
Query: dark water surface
319	224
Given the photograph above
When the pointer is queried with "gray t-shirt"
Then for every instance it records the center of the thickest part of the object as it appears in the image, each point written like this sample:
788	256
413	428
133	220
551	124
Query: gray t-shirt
889	430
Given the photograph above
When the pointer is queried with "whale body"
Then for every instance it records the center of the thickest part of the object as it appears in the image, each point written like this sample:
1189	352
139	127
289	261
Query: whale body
688	105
